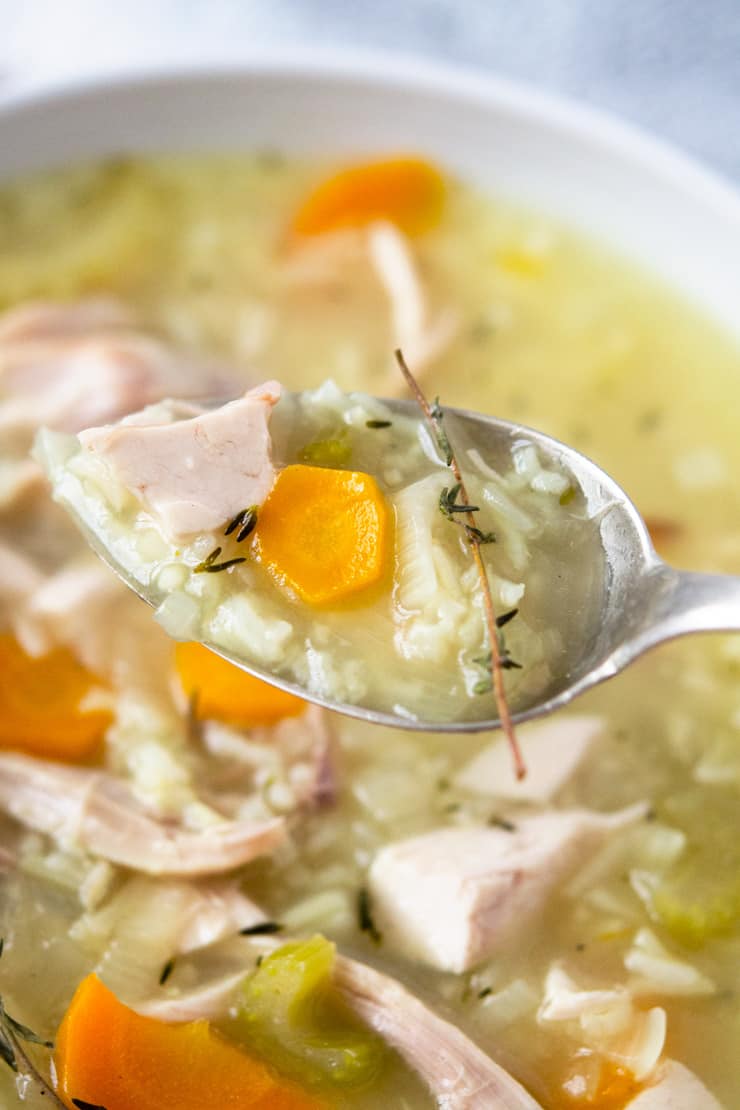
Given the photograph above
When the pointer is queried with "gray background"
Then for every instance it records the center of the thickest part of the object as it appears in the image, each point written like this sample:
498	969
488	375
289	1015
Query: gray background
672	66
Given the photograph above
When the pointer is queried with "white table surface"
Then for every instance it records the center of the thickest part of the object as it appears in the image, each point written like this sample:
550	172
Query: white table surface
672	66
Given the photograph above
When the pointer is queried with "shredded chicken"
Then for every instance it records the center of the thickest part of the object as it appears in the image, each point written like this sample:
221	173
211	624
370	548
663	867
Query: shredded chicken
421	338
96	812
292	763
322	261
72	366
308	750
459	1075
451	897
190	915
68	607
36	321
674	1088
195	474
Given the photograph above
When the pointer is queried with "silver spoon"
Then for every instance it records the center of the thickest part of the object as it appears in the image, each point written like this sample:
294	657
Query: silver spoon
642	603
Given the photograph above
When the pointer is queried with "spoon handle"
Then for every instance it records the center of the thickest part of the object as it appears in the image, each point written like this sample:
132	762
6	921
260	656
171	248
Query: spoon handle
676	603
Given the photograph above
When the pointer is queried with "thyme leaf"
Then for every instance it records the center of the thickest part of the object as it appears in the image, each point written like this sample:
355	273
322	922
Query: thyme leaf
6	1052
435	419
216	567
208	561
448	503
248	524
166	972
210	566
504	618
475	536
378	423
245	521
234	523
365	916
23	1031
440	433
261	929
501	823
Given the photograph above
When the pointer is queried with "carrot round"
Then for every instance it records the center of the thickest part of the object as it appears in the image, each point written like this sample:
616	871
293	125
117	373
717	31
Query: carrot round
42	704
408	192
223	692
324	533
108	1055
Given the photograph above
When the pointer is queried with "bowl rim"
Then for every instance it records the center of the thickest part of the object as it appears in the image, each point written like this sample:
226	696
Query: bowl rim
596	127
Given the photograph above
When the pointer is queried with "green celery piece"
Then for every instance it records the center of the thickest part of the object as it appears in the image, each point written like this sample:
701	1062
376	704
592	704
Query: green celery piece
291	1014
699	897
335	452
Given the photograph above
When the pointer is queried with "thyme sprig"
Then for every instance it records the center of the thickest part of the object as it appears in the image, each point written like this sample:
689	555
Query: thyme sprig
13	1038
496	665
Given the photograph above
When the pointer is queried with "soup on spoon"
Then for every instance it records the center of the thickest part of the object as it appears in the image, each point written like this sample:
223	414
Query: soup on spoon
336	544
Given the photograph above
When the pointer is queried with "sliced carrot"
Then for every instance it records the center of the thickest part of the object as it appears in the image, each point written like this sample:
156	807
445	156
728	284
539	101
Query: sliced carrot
408	192
42	709
223	692
324	533
108	1055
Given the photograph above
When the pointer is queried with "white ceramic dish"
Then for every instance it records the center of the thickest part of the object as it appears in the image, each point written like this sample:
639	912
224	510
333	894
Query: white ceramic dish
631	191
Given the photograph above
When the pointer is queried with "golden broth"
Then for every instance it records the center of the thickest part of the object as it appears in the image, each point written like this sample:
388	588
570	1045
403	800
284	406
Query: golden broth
552	332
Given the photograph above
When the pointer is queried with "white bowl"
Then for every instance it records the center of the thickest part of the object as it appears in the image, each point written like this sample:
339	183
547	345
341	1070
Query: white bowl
632	192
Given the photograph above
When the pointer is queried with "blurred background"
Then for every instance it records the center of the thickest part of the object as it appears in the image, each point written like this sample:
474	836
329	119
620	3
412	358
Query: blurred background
672	66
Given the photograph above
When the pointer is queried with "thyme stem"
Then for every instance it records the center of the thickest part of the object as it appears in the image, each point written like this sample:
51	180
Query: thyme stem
434	418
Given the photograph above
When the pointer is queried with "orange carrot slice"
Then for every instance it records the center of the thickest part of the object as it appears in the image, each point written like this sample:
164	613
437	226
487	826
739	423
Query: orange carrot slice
42	709
408	192
108	1055
223	692
324	533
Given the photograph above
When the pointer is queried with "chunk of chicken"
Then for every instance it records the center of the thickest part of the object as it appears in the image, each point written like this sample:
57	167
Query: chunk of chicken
450	897
552	749
196	474
674	1088
96	812
459	1075
71	366
36	321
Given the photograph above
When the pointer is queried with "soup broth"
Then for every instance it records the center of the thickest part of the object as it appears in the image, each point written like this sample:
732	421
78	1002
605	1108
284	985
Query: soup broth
545	329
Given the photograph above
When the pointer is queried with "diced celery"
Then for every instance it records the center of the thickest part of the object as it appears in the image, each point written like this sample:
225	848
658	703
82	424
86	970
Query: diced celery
334	452
291	1015
699	897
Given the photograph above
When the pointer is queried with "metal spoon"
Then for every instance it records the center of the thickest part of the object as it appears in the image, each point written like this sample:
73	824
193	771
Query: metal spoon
642	603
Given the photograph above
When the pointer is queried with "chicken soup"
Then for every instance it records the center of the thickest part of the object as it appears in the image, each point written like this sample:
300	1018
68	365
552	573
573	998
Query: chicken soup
213	894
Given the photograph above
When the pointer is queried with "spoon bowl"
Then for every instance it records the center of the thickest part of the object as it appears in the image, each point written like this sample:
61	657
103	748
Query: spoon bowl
641	601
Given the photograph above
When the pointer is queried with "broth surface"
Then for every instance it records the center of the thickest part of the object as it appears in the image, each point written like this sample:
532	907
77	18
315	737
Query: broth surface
551	332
